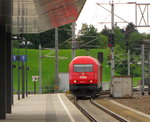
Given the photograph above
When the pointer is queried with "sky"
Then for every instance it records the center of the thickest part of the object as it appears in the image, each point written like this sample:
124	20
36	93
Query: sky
97	16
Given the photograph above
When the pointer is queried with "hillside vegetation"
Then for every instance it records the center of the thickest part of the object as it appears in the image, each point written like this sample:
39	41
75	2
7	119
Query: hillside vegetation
87	43
48	64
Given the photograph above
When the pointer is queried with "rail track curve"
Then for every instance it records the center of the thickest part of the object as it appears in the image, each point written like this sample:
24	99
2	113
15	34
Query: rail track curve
91	118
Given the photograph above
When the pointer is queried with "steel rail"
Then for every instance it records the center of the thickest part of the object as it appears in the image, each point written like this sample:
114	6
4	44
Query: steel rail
92	119
116	116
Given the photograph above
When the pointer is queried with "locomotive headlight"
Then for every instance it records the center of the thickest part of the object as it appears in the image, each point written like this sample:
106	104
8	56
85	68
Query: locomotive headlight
75	81
91	81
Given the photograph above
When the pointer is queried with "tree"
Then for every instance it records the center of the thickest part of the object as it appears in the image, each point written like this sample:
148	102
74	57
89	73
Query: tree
119	37
89	34
65	32
102	40
134	39
47	39
130	29
34	38
106	31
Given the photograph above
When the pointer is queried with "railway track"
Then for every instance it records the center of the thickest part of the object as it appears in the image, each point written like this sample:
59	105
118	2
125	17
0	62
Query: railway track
93	119
116	116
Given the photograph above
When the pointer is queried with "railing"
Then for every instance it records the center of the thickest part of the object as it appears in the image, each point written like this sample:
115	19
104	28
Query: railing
45	89
48	89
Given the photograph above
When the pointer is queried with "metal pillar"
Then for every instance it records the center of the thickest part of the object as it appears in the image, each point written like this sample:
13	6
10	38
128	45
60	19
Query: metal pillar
73	40
128	62
26	23
135	14
23	96
8	55
144	20
112	50
149	71
3	72
34	87
143	76
18	58
40	70
22	31
56	61
26	68
5	65
12	84
112	63
22	17
8	70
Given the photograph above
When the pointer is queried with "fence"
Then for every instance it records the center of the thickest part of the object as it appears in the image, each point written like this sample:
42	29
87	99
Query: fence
45	89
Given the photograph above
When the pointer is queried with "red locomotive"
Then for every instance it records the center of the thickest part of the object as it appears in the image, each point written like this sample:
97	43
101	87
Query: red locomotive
85	76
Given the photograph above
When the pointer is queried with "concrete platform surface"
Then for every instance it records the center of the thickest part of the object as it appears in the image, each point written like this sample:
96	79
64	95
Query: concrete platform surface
44	108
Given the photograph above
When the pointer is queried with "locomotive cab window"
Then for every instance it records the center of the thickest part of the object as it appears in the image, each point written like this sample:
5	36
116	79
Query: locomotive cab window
83	68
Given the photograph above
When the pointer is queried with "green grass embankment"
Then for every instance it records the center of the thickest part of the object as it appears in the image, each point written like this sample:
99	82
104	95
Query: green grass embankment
48	64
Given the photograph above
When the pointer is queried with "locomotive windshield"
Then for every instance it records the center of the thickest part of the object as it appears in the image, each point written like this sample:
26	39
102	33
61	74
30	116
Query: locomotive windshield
83	67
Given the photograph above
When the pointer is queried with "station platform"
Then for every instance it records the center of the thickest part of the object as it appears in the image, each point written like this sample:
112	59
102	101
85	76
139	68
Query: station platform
44	108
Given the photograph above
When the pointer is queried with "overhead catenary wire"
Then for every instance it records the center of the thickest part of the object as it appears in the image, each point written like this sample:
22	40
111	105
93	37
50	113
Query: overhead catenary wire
110	13
89	42
53	51
104	21
94	15
114	14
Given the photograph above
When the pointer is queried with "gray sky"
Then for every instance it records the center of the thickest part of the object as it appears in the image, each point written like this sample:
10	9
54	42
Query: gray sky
94	14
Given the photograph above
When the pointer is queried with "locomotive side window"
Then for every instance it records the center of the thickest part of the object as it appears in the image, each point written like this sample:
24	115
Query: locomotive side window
83	68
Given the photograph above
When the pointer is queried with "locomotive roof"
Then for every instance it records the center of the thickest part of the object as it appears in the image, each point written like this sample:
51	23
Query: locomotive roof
87	58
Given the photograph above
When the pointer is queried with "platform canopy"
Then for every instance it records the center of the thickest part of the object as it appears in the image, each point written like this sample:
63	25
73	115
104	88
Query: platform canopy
36	16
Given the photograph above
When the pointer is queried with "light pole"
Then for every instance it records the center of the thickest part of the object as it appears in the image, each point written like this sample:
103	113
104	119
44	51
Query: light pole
18	58
56	61
73	40
26	44
26	70
40	70
18	38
